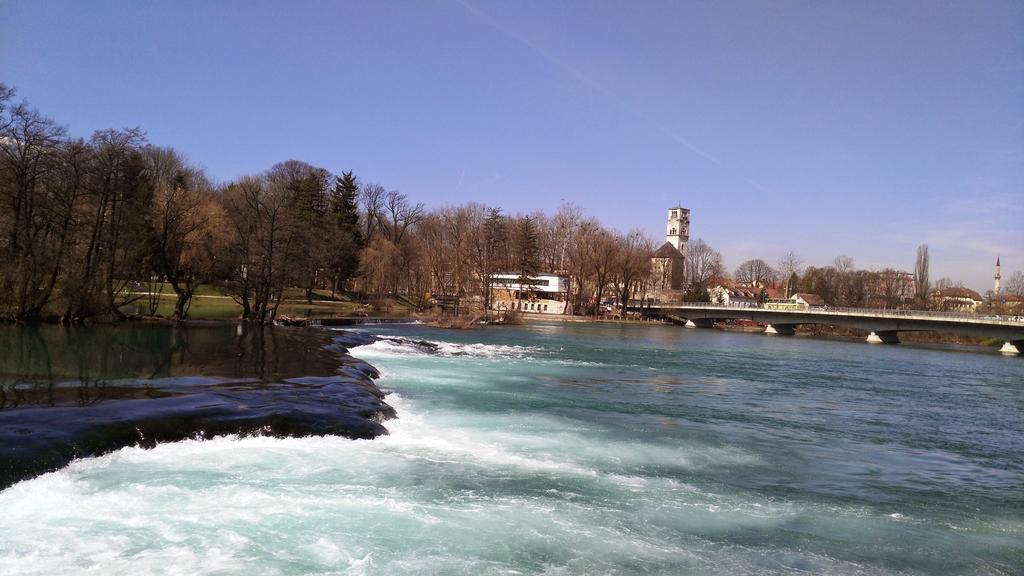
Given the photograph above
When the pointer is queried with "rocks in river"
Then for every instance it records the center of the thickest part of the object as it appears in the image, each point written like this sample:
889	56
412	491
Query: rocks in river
345	340
421	345
88	394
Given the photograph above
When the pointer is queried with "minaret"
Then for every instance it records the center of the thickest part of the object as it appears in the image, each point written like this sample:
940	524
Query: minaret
996	278
677	230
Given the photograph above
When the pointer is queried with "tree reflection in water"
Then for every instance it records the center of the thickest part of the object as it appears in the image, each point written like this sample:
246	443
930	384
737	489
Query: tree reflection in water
67	392
58	365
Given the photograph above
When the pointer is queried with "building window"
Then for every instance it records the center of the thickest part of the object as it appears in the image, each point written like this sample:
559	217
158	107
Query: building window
545	307
674	214
672	232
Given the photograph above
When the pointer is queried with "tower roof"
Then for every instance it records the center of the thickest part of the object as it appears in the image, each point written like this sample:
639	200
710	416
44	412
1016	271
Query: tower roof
997	260
667	250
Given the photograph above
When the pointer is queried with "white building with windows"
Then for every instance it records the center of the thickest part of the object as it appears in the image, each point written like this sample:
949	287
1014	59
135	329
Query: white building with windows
541	294
729	295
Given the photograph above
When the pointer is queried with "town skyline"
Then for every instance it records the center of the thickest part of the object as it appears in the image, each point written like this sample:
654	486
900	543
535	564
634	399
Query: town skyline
879	129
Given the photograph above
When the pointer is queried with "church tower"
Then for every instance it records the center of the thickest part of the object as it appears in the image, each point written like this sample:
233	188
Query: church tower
677	230
668	264
995	290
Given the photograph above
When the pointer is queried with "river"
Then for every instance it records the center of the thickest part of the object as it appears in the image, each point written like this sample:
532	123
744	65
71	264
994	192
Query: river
578	449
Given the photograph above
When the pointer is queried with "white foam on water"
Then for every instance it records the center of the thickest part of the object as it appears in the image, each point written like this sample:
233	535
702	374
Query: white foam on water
391	347
479	350
446	492
418	501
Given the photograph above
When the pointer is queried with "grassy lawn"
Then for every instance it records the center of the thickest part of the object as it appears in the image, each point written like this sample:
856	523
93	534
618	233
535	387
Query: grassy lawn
211	303
203	289
202	308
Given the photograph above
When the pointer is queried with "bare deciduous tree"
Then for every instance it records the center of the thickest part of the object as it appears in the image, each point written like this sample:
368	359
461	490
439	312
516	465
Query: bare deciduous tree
847	286
888	288
703	265
790	266
1015	285
564	226
755	272
921	282
113	256
400	214
584	242
188	232
634	267
30	159
371	197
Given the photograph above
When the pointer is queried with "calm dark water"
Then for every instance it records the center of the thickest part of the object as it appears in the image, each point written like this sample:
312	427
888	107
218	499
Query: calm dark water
580	449
84	391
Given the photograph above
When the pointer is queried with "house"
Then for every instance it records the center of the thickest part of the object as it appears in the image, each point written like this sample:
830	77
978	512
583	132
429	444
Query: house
1013	303
808	300
729	295
541	294
955	299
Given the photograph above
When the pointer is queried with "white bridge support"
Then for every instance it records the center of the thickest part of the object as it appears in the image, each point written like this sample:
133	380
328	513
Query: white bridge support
1012	347
883	337
780	329
700	323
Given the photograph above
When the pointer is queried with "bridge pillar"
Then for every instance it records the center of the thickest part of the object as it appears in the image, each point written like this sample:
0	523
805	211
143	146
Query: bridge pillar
780	329
1012	347
884	337
700	323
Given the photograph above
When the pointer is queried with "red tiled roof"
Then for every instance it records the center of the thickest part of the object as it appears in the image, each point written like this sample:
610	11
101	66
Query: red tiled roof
956	292
812	299
667	250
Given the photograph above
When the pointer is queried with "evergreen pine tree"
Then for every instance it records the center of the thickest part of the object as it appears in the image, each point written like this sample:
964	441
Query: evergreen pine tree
348	234
696	293
792	284
494	235
494	238
344	198
527	250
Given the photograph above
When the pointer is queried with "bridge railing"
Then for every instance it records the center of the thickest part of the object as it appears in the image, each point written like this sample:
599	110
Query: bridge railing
843	311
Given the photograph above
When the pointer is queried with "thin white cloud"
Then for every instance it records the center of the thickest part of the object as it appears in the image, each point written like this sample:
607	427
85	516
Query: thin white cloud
967	233
586	80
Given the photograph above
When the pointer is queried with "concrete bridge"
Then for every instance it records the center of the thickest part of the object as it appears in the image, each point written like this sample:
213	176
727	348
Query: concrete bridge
883	326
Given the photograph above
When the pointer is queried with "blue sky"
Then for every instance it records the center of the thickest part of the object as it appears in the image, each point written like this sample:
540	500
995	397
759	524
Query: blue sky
825	127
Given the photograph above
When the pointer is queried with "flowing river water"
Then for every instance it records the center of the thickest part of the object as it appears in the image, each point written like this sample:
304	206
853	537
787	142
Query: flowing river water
578	449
